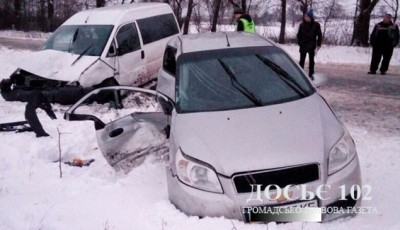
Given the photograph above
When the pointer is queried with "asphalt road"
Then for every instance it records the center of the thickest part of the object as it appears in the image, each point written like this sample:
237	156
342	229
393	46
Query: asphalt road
371	101
358	98
20	43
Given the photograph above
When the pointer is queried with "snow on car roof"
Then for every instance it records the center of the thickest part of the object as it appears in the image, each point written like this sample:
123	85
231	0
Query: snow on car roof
113	15
219	40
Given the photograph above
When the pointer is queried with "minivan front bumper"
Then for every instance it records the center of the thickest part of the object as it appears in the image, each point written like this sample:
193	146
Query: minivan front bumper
230	204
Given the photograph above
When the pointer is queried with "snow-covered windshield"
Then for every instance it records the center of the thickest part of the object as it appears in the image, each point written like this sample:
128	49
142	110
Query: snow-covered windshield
79	39
237	78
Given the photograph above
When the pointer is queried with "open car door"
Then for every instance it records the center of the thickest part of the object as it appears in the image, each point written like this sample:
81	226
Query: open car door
130	123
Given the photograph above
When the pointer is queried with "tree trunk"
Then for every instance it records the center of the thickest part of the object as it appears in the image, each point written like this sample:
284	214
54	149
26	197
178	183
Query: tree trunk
17	13
217	6
100	3
328	16
188	16
42	16
355	22
303	6
283	22
50	15
244	6
361	33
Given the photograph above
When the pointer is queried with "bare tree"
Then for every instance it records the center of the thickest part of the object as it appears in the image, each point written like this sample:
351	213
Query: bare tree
217	6
50	15
197	17
188	16
361	29
328	14
305	4
177	8
42	15
17	13
283	22
394	6
100	3
239	4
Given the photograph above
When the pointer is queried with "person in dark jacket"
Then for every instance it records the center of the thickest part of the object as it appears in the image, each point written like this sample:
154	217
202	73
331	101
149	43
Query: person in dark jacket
384	37
309	38
244	21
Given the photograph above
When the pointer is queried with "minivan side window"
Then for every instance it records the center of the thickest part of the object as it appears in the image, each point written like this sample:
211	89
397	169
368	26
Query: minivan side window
157	27
128	39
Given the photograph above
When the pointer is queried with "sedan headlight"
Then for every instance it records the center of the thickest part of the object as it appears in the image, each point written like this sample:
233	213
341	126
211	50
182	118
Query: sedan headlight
196	174
341	153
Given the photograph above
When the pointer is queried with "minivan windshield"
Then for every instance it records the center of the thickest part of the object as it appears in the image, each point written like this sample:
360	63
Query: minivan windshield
79	39
237	78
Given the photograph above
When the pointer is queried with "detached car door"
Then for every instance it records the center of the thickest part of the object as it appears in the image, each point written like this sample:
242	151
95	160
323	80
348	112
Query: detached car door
130	123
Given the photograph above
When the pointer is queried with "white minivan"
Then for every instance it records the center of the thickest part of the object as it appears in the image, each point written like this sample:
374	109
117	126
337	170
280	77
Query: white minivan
117	45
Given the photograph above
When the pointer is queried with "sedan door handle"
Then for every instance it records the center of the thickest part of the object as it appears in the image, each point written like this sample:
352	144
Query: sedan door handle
116	132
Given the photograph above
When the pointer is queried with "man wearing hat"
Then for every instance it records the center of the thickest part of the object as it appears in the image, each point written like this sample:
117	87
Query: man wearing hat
383	39
309	38
245	22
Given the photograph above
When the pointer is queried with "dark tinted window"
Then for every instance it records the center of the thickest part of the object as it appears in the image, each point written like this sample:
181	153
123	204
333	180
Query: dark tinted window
169	61
157	27
128	39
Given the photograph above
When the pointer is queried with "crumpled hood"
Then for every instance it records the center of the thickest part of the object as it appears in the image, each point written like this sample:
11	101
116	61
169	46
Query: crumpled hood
293	133
62	66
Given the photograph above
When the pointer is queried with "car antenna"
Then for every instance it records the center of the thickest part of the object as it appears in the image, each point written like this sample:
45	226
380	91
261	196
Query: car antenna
88	16
227	40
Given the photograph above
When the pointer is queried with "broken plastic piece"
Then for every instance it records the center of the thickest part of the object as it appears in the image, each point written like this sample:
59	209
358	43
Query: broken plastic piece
79	162
19	126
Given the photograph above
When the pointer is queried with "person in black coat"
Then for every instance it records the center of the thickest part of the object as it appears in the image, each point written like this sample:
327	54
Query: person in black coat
309	38
383	39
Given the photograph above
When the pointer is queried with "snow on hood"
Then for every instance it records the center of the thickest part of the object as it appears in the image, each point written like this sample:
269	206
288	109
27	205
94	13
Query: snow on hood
55	65
275	136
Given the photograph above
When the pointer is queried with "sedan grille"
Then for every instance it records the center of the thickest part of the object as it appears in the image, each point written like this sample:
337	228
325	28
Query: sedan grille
281	177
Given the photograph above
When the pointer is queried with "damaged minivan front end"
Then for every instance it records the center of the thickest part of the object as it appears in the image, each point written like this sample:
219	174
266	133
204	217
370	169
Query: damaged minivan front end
62	77
117	45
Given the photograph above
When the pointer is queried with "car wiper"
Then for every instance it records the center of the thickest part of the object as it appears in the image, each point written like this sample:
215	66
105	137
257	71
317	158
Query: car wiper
83	53
235	83
74	37
285	76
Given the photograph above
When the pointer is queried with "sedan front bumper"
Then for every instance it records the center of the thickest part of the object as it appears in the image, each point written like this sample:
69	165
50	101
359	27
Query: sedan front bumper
231	204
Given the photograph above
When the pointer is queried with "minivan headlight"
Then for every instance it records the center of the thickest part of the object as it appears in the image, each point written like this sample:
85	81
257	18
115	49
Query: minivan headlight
196	174
341	154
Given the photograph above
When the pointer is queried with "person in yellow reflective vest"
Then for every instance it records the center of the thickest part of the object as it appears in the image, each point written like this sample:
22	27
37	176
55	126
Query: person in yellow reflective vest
244	21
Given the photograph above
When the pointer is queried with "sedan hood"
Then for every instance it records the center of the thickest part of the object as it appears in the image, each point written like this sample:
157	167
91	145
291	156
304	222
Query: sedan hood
63	66
293	133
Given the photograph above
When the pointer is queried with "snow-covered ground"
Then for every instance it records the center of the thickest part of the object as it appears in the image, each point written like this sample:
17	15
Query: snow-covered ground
33	196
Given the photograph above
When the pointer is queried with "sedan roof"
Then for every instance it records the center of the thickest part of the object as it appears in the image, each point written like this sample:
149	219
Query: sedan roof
218	40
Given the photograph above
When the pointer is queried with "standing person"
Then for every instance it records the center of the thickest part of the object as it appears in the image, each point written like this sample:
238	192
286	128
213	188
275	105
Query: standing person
244	21
309	38
383	39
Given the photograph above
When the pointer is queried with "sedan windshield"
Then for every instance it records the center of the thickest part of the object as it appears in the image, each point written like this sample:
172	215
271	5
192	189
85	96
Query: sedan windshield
79	39
238	78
